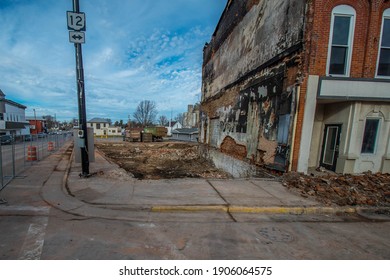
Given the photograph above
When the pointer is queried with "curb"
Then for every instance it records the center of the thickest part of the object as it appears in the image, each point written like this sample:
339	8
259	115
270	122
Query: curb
292	210
255	210
375	214
189	208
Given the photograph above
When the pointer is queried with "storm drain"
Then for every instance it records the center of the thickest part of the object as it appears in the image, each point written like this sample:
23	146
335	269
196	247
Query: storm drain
275	234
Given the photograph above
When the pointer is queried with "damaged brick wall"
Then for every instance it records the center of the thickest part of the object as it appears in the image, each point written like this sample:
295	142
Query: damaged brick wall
230	147
250	72
243	44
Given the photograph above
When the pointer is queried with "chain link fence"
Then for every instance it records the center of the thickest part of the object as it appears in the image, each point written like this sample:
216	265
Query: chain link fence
20	152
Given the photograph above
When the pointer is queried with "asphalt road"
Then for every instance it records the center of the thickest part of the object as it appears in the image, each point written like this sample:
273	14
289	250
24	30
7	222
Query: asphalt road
51	234
31	229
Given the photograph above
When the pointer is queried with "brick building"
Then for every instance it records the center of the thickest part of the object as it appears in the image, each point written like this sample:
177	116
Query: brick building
38	125
297	84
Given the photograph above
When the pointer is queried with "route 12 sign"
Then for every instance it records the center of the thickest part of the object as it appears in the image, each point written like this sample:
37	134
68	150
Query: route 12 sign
76	21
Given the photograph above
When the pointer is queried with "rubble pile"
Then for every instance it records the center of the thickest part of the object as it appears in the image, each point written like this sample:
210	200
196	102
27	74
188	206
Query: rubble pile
344	190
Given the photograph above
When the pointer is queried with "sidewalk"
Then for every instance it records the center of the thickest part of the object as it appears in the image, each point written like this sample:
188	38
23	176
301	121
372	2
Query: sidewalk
112	193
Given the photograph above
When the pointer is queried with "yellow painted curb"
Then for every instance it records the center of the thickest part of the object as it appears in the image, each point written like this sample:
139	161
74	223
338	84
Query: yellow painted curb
264	210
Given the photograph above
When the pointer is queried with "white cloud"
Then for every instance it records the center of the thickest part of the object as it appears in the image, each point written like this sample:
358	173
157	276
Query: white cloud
135	50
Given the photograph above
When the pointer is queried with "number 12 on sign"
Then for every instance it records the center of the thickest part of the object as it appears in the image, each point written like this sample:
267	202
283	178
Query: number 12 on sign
76	21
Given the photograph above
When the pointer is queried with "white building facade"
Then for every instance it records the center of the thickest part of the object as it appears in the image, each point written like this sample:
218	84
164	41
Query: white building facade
12	117
103	128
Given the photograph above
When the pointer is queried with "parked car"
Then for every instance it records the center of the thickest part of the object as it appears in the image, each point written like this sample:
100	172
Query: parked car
6	139
28	137
41	135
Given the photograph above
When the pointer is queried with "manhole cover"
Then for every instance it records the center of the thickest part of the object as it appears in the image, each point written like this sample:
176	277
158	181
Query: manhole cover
276	234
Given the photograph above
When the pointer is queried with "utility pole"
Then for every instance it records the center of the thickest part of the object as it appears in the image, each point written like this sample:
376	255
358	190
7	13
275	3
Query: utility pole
76	22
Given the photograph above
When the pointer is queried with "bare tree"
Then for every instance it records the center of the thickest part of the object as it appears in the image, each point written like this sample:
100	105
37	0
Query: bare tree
119	124
162	120
180	118
50	121
145	113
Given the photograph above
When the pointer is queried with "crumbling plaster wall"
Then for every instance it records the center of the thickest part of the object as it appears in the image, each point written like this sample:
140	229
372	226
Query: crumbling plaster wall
250	74
268	29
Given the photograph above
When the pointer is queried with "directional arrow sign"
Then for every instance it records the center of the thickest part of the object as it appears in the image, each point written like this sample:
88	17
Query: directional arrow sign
76	37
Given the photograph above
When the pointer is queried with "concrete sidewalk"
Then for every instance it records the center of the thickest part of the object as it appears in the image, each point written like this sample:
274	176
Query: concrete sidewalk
113	194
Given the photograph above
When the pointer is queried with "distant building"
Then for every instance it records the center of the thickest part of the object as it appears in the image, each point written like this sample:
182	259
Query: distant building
185	134
37	125
114	131
103	127
172	126
100	126
191	118
12	117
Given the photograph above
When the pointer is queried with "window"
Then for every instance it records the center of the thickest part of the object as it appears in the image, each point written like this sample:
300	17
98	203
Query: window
98	126
370	136
383	69
340	41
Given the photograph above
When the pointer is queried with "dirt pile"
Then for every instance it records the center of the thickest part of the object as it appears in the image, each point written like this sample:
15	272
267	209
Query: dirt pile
343	190
160	160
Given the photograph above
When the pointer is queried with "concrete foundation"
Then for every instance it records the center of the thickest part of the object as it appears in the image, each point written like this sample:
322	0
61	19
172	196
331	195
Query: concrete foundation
237	168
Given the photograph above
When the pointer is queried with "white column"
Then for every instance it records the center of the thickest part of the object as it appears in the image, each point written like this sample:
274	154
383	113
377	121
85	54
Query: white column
308	122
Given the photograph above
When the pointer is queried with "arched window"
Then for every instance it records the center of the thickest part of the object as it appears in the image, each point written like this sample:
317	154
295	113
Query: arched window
371	132
370	136
383	68
341	41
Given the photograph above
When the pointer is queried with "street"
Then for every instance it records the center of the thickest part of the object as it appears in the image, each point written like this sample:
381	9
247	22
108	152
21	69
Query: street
37	223
209	236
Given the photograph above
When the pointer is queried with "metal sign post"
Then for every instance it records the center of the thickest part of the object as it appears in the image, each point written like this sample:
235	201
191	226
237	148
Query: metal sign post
76	24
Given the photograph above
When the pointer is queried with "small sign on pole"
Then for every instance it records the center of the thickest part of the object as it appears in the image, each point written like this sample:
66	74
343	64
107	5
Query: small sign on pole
76	37
76	21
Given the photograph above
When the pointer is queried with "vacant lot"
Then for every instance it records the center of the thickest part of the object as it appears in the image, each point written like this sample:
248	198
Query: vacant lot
168	160
160	160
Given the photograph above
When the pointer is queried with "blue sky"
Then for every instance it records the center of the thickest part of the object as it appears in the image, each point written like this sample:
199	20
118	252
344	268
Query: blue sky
135	50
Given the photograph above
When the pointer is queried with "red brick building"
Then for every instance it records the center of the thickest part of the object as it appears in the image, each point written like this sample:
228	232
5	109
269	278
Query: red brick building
297	84
37	125
344	115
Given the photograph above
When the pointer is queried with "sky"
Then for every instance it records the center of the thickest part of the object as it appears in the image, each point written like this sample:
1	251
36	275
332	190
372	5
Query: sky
135	50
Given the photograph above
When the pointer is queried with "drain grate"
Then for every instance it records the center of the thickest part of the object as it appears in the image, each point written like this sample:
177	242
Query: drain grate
276	234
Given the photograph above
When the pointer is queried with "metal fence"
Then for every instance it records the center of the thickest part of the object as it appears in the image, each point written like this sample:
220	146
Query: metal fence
20	152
